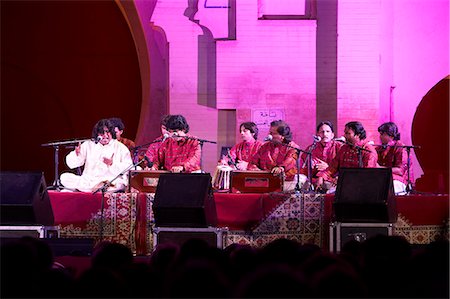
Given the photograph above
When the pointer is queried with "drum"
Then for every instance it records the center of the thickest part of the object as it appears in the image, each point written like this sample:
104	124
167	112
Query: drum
221	177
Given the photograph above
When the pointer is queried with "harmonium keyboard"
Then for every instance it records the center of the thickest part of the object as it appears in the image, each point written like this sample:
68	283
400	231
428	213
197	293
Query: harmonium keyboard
256	182
144	180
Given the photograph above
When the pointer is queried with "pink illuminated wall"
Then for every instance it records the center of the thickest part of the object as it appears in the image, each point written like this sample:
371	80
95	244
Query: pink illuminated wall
219	63
385	61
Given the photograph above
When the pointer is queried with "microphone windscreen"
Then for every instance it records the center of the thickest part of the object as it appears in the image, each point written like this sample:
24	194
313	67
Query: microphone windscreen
268	138
340	139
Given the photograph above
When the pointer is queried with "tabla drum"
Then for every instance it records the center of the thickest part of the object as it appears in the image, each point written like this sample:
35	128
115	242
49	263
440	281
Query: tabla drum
221	177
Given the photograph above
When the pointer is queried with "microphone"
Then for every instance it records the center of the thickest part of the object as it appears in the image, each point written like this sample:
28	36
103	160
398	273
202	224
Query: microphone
268	138
165	136
317	138
340	139
149	163
98	139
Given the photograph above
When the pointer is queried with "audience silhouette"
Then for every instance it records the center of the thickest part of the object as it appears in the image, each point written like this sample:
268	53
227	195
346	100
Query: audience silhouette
380	267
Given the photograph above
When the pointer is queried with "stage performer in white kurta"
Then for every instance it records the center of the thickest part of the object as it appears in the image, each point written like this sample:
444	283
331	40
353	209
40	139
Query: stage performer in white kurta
103	160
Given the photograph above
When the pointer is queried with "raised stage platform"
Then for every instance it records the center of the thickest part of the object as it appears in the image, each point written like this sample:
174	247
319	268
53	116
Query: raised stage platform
254	219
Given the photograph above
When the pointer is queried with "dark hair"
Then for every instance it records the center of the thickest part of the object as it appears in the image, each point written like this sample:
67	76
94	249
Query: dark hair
177	122
328	123
99	128
117	122
164	119
283	129
391	129
358	128
251	126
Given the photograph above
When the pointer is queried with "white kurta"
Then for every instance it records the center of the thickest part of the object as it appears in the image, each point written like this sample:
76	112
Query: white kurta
95	170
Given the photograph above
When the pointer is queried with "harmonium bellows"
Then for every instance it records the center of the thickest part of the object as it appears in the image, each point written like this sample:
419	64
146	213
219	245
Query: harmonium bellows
256	182
144	180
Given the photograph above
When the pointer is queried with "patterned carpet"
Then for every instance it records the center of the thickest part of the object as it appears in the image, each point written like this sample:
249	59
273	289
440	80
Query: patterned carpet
299	218
128	219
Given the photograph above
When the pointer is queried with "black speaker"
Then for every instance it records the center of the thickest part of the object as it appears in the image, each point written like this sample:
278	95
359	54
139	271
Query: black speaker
184	200
63	246
71	246
365	195
24	199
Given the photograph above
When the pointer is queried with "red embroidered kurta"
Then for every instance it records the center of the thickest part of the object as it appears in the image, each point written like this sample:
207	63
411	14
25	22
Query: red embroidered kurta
152	150
272	154
244	151
392	156
327	153
184	152
347	156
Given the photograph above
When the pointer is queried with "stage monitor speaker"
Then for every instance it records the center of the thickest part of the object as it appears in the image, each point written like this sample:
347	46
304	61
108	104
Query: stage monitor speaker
24	199
184	200
365	195
63	246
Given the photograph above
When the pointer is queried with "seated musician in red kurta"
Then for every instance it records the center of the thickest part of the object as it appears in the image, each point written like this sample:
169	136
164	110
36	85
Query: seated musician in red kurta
323	152
279	155
152	150
347	156
391	153
241	153
180	152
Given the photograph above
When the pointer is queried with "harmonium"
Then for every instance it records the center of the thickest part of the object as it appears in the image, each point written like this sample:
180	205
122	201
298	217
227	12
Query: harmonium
256	182
144	180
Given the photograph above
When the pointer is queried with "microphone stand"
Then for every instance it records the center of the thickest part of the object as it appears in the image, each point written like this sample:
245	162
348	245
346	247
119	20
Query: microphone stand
297	164
309	161
409	187
104	188
359	150
136	149
56	185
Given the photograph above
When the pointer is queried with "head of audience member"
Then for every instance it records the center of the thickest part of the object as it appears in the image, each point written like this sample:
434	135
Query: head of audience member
104	131
354	132
325	131
280	132
388	132
177	125
118	126
163	124
249	131
112	255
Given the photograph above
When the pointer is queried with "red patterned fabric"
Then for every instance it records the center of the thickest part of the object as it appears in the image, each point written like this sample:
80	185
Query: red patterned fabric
79	215
273	154
244	151
183	152
152	150
327	153
128	216
347	156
